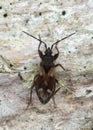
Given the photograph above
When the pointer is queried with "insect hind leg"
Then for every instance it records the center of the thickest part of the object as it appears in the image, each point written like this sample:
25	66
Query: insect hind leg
30	99
53	98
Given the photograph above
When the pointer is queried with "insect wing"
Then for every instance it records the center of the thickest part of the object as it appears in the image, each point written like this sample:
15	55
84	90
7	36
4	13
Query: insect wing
45	89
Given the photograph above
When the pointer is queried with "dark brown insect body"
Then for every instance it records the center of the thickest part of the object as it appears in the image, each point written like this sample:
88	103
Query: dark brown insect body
45	82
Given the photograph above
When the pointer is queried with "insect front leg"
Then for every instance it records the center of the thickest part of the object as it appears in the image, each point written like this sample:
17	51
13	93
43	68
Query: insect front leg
57	54
39	51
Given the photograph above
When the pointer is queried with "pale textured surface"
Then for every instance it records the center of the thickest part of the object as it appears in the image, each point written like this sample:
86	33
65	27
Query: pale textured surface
74	111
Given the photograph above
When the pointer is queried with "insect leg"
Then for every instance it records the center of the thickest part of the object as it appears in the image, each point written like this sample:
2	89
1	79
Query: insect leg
57	54
60	66
53	98
39	51
31	94
30	99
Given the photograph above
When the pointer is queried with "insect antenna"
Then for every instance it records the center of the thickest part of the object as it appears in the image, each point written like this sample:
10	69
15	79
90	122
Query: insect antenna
36	38
61	40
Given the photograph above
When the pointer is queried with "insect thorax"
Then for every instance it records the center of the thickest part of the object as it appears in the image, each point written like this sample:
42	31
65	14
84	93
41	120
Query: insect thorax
47	63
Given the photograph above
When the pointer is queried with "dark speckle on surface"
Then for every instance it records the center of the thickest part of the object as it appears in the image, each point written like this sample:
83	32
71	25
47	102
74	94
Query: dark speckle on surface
5	15
84	66
88	91
11	65
84	75
10	3
25	67
40	13
69	51
40	3
0	7
63	12
76	48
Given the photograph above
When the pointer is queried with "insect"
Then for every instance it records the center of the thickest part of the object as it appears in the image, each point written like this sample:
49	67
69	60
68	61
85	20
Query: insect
45	82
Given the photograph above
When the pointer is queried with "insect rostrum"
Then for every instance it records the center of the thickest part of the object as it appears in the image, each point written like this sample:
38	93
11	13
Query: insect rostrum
45	82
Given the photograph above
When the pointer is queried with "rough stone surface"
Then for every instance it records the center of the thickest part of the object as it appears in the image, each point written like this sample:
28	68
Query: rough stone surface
53	20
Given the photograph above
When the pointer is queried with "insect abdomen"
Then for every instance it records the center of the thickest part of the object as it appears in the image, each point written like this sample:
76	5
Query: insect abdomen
45	91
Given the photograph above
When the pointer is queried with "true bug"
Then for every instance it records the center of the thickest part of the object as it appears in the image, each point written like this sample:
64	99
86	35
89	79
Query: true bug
45	82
